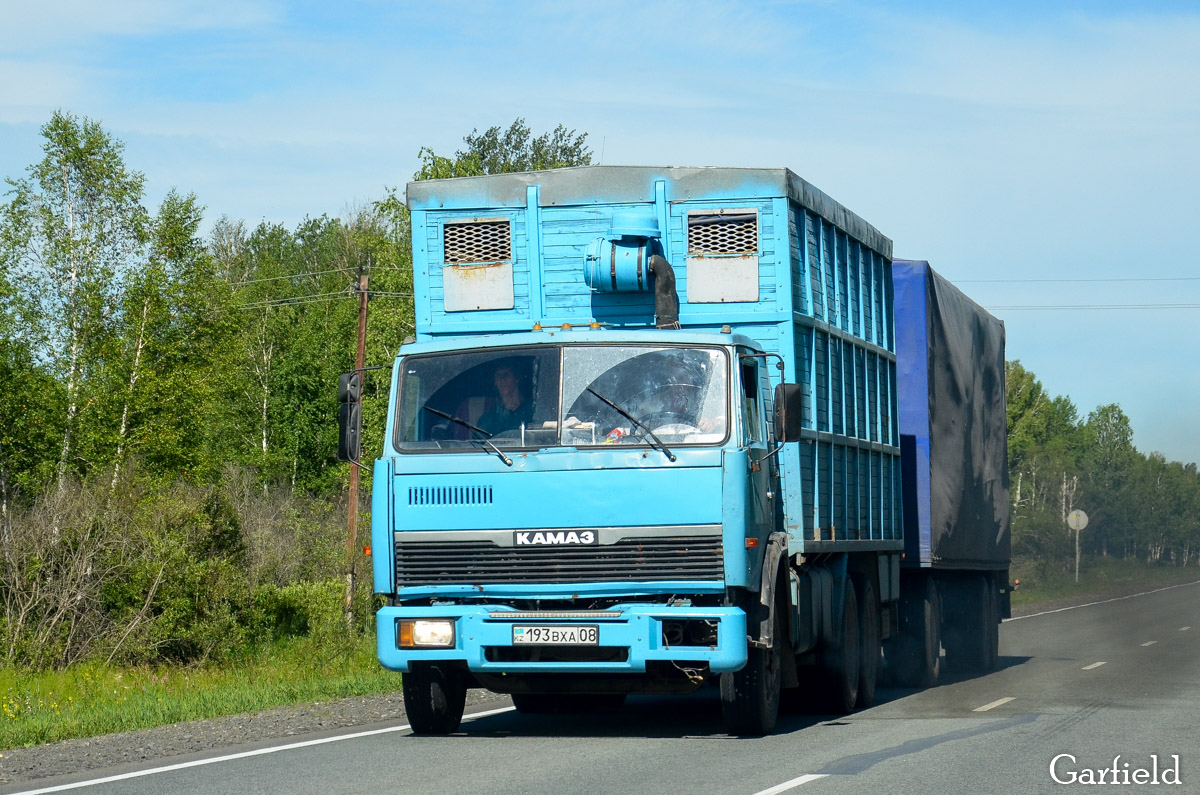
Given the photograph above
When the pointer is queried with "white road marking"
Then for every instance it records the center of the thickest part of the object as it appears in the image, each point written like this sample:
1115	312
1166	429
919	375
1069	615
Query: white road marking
1093	665
242	755
1184	629
998	702
1103	601
1150	643
791	784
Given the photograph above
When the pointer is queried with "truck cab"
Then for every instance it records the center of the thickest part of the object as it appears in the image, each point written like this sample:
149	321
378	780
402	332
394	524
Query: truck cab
569	511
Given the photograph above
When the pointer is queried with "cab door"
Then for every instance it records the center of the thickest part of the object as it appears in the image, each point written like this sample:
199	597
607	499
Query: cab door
760	514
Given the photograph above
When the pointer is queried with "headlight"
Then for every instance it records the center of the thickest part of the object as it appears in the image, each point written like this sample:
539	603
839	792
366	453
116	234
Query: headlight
436	633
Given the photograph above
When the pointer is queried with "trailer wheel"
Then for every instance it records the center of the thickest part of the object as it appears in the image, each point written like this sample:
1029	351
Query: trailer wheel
750	696
868	667
972	628
434	699
914	659
841	663
992	624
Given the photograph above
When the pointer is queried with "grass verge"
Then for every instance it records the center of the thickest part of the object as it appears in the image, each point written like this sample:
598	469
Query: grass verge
90	699
1099	578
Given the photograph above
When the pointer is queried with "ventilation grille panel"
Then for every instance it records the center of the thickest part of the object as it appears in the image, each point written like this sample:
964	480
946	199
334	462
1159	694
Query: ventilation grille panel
449	495
729	233
478	241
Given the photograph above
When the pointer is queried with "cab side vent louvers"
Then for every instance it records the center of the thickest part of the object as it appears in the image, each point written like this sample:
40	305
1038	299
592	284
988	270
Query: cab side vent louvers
450	495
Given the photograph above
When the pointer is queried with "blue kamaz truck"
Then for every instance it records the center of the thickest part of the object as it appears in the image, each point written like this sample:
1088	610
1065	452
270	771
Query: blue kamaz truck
663	429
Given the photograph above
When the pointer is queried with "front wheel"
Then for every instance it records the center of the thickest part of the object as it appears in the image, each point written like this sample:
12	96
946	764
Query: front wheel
434	699
750	696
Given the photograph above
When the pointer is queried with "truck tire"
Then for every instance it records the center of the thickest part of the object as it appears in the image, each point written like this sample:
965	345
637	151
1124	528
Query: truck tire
841	663
972	630
869	643
914	659
434	698
560	703
750	696
992	625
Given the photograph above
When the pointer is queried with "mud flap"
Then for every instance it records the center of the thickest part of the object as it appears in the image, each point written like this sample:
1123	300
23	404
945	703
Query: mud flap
776	549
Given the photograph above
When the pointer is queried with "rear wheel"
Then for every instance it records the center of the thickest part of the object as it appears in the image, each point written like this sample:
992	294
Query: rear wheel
868	667
434	699
842	663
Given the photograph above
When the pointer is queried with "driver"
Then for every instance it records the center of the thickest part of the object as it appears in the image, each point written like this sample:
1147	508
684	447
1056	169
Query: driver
510	409
683	403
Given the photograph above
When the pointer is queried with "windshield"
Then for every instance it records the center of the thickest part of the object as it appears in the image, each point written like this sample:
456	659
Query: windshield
563	395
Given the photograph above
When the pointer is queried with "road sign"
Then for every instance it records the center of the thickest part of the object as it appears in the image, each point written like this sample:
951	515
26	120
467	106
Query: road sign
1077	520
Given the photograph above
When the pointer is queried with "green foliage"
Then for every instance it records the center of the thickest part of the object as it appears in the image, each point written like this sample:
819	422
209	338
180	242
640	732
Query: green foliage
1138	506
71	236
31	407
145	572
299	609
497	151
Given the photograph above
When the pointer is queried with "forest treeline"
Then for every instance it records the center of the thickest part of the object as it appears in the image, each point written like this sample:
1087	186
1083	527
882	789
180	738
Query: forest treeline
1139	506
168	402
168	487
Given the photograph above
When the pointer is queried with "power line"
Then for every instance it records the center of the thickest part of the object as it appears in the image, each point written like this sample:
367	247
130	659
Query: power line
1079	281
315	273
298	300
315	298
1071	307
288	276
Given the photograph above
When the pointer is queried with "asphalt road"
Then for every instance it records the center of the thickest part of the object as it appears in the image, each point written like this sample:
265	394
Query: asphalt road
1093	682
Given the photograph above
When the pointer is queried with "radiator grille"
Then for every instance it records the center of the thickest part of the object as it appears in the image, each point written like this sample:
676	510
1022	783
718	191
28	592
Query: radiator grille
723	234
481	562
478	241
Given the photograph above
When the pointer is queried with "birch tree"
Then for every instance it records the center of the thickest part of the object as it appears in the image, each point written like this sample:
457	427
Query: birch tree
73	230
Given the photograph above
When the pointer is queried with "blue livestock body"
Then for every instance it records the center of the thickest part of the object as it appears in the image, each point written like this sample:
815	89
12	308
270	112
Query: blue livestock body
810	282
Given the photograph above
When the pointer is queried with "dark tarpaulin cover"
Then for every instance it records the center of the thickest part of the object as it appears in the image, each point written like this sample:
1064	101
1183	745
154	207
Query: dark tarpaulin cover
953	424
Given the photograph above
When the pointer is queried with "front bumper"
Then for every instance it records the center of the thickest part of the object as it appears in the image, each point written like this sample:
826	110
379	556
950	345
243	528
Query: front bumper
636	628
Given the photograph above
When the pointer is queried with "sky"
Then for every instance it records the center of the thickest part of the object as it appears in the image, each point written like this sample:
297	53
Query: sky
1043	156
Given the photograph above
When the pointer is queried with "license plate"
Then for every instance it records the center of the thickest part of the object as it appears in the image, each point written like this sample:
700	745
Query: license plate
547	635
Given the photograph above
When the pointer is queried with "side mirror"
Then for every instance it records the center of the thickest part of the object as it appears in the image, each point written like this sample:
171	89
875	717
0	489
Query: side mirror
349	417
789	412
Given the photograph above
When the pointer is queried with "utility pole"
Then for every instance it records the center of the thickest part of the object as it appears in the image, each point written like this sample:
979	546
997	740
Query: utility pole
352	522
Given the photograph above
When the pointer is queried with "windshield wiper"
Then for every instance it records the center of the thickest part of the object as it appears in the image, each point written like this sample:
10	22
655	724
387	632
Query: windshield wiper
654	440
485	441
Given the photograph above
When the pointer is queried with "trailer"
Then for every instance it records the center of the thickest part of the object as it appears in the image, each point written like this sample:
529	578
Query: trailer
652	435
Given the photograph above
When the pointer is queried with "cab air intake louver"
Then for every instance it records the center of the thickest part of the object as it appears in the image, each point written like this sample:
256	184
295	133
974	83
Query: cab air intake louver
450	495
